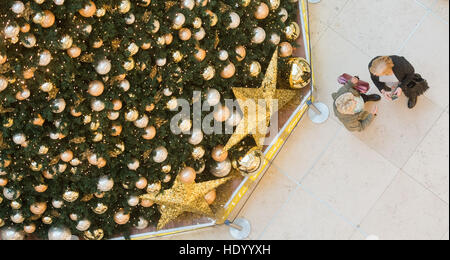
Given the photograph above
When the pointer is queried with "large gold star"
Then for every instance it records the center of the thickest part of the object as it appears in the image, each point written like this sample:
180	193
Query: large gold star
258	106
184	198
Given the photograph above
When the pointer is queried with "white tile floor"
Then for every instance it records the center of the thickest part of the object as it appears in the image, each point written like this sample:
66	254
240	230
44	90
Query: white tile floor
391	181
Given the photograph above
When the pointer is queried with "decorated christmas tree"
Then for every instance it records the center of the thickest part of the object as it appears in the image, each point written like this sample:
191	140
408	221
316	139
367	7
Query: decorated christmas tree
88	90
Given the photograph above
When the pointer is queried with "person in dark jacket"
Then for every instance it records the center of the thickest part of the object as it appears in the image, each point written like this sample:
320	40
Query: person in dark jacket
394	76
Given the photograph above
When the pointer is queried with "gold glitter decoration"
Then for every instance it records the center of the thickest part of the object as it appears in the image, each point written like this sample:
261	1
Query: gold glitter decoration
2	144
160	122
4	68
5	110
257	123
78	140
184	198
169	4
146	16
53	93
154	72
217	40
27	12
147	155
87	198
97	234
87	58
115	44
54	161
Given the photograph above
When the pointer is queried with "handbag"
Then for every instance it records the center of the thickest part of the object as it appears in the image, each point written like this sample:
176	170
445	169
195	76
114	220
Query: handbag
362	86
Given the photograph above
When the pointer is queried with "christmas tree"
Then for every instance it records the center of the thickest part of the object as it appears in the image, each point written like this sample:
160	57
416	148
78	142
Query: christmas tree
88	89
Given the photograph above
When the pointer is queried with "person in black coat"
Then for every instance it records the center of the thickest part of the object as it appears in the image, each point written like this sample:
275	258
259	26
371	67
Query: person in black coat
394	76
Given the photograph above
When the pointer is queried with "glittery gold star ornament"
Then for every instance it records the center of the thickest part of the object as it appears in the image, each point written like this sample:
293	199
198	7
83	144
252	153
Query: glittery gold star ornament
183	198
256	124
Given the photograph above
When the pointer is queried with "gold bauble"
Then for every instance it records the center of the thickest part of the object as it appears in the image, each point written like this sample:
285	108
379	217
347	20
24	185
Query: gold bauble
141	183
100	209
117	104
70	196
213	18
116	130
49	19
168	38
150	108
66	42
255	69
197	23
67	156
299	73
251	163
147	203
88	10
97	44
16	205
121	218
245	3
38	208
154	187
274	4
292	31
209	73
30	228
241	53
222	114
25	28
262	11
200	55
129	64
187	175
219	154
145	3
100	12
185	34
132	115
198	152
74	52
210	197
146	46
177	56
3	58
41	188
150	133
96	88
3	182
97	234
228	71
286	49
47	220
39	121
124	6
166	169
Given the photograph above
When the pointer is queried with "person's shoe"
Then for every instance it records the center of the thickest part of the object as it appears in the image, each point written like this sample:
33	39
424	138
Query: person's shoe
373	98
412	102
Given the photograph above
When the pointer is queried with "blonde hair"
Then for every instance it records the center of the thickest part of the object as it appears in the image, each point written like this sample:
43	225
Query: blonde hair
346	104
381	64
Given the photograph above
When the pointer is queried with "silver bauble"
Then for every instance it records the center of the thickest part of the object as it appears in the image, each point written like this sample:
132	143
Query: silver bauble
161	62
213	97
221	169
3	83
97	105
188	4
130	19
58	2
57	204
59	233
17	218
19	139
133	165
124	85
284	15
234	119
275	39
141	122
132	115
160	154
124	6
29	41
178	21
223	55
105	184
66	42
11	31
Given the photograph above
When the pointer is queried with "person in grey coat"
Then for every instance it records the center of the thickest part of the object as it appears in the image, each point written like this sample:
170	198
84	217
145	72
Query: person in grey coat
349	107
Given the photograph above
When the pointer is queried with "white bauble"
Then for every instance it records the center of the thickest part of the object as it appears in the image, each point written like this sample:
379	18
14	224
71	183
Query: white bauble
66	42
59	233
235	20
124	85
179	20
172	104
161	62
57	204
167	92
29	41
58	105
275	39
47	87
97	105
160	154
213	97
11	31
223	55
132	115
196	137
103	67
105	184
133	201
11	233
3	83
142	223
19	139
18	7
10	194
133	165
130	19
259	35
17	218
141	122
83	225
221	169
188	4
200	34
58	2
96	88
284	15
